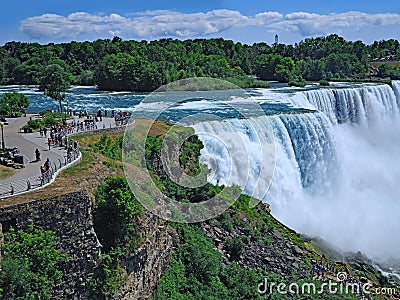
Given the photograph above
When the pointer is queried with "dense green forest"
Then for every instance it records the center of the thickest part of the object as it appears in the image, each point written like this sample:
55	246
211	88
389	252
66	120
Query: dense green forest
144	66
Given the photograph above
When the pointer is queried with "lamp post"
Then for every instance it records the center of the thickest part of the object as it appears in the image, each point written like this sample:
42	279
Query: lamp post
3	145
66	111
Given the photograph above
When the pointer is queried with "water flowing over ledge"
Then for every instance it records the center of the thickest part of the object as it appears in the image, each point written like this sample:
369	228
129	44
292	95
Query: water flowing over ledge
336	170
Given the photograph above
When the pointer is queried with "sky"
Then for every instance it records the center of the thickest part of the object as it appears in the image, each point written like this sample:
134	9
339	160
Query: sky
246	21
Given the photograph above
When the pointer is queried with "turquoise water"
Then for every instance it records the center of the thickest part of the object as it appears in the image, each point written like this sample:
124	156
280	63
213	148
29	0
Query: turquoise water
179	104
79	99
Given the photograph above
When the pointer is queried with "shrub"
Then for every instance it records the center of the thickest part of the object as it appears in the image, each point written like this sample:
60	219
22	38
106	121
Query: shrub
29	265
34	124
49	121
235	247
324	82
116	207
297	81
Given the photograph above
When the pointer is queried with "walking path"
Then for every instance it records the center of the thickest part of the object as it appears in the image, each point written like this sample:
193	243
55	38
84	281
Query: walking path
27	143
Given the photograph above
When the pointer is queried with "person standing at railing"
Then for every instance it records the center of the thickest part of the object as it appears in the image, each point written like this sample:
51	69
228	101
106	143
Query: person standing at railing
47	163
69	154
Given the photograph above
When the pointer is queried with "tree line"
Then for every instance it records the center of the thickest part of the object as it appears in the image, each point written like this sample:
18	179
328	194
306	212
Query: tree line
145	65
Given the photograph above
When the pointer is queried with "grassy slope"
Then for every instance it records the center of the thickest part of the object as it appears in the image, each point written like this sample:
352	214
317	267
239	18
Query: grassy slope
6	172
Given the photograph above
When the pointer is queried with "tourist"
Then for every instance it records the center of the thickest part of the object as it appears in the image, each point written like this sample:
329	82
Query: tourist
47	163
45	131
41	132
69	154
99	115
37	154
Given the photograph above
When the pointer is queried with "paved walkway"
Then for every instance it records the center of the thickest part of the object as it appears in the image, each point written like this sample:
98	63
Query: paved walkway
27	143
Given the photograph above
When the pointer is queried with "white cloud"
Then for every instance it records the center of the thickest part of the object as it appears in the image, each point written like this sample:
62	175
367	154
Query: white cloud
149	24
308	24
159	23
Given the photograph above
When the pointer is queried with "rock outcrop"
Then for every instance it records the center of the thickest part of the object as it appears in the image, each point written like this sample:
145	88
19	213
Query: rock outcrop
70	217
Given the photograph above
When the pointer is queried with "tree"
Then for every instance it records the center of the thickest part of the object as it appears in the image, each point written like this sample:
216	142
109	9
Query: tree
284	69
274	67
119	72
55	82
116	207
12	103
29	265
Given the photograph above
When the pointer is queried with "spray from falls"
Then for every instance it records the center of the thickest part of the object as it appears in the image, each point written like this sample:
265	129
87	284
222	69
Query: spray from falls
336	171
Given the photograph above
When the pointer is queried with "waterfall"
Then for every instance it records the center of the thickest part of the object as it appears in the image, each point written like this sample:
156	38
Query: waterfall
240	152
336	170
396	89
306	154
361	105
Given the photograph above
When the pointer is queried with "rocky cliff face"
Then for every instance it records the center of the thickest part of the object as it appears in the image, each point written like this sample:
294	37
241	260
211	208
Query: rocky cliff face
144	267
284	257
70	217
259	246
239	238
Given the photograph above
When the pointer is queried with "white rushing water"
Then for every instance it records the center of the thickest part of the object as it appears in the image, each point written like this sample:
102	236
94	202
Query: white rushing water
336	170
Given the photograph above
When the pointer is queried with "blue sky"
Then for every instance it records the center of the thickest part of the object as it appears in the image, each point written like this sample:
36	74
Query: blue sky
246	21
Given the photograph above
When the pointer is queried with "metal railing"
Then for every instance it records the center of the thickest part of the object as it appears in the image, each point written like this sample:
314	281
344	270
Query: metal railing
38	181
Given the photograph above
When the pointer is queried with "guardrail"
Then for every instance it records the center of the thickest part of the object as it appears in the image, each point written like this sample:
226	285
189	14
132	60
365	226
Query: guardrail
39	181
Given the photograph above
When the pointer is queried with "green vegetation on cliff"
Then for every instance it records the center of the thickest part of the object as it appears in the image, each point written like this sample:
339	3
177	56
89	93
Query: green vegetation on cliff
28	268
226	257
114	222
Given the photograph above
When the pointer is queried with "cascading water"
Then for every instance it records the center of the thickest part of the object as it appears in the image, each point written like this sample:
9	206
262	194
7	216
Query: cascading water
229	144
336	171
396	89
366	105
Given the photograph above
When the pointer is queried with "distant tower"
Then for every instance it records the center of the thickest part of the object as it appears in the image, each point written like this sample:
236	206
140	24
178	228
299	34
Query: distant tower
276	39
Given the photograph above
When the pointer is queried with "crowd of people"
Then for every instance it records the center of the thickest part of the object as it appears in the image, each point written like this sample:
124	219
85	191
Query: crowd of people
59	135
